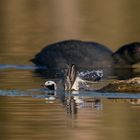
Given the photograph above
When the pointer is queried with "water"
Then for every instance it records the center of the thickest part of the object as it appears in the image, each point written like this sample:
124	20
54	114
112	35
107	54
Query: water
27	111
25	115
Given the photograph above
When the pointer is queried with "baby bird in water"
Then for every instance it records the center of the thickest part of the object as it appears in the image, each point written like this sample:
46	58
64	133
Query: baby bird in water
73	80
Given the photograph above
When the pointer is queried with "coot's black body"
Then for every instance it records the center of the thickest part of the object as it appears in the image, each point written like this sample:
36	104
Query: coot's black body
86	55
82	54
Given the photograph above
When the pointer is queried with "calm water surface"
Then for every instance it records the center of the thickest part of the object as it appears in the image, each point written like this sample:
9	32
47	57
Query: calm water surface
29	112
26	110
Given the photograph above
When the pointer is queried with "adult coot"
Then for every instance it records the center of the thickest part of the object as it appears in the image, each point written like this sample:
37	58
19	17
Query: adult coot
81	53
87	55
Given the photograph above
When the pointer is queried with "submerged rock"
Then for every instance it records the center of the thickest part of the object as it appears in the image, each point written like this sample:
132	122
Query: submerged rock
130	85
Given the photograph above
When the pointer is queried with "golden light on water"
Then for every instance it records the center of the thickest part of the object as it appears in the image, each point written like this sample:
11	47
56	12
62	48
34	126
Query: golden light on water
26	27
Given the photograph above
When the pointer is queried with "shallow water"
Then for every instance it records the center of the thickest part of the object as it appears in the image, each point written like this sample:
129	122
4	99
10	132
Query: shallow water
29	117
27	111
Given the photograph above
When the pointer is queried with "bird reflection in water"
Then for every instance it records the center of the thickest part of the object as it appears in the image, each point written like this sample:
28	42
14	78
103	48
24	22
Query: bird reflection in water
132	101
71	106
51	96
73	103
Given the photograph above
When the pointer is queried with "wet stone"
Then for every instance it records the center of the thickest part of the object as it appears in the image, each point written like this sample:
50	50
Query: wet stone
130	85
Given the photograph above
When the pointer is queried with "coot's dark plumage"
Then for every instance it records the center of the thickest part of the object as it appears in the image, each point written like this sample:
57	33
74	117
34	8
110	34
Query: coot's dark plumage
82	54
128	54
86	55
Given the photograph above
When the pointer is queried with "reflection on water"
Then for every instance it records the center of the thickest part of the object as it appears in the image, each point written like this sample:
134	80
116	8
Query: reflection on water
73	103
131	101
39	114
28	112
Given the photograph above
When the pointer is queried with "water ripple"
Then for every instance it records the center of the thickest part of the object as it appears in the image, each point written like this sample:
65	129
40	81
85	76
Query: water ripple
22	67
110	95
41	93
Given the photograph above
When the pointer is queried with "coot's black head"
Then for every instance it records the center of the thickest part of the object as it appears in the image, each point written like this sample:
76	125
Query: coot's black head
128	54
